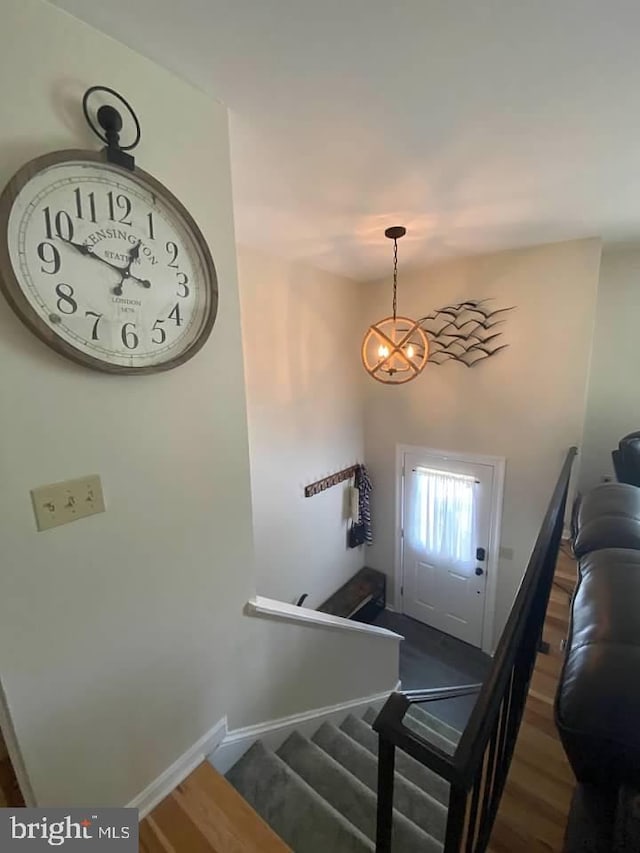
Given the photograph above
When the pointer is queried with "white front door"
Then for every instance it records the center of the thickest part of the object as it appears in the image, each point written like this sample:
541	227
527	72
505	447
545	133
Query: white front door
446	524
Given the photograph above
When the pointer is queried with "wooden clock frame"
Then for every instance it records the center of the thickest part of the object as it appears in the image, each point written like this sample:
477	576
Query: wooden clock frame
20	304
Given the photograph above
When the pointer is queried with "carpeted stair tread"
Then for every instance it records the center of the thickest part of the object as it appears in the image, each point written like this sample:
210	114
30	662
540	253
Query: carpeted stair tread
411	769
416	805
346	793
417	726
300	816
420	713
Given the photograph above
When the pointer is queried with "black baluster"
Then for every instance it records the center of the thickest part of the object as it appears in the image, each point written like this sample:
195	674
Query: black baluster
386	768
455	819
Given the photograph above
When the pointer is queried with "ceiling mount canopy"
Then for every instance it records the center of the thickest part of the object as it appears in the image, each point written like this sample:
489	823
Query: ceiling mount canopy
395	350
395	233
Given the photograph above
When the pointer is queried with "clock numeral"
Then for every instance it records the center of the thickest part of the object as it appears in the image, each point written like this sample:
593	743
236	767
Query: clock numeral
53	259
163	334
66	303
172	249
94	332
47	223
121	202
175	315
152	235
79	205
183	284
63	224
129	337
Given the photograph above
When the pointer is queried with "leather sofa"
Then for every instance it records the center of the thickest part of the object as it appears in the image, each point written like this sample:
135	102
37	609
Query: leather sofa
598	699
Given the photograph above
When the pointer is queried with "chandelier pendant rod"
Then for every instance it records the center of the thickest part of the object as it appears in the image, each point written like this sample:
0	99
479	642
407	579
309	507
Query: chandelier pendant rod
395	277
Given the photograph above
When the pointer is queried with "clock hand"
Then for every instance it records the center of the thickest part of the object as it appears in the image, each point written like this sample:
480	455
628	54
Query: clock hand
86	250
133	255
143	281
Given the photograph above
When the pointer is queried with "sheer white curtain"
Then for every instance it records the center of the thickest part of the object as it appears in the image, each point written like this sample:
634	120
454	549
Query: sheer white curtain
442	514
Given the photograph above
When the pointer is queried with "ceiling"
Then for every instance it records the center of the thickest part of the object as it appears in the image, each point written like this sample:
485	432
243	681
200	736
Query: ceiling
478	125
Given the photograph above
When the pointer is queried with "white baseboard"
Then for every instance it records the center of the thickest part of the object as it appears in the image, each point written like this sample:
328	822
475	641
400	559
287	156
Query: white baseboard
273	733
161	787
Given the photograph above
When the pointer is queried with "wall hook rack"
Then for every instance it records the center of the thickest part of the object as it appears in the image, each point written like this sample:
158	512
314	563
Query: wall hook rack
327	482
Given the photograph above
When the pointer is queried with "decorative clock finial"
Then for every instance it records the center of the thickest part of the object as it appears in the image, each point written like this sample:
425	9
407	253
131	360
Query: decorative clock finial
111	123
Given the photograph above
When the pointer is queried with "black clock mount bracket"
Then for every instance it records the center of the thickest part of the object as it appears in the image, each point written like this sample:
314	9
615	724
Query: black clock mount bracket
110	120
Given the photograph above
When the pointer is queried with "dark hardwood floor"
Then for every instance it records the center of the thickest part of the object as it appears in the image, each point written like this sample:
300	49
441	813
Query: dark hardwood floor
429	658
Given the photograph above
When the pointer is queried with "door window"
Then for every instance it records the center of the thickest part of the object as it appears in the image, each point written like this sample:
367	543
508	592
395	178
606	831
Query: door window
443	509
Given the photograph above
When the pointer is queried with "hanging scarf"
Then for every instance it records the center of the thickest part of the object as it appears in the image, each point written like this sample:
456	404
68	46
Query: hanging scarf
364	487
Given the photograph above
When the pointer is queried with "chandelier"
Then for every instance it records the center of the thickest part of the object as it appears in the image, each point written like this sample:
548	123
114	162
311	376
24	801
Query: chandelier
396	349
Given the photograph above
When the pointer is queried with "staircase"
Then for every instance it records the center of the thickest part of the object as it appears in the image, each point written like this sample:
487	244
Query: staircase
319	794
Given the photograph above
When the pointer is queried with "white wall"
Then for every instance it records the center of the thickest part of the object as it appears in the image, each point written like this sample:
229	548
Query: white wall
304	401
122	636
106	624
526	404
613	403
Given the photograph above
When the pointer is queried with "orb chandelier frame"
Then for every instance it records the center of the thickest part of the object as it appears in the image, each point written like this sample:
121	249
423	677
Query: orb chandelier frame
395	350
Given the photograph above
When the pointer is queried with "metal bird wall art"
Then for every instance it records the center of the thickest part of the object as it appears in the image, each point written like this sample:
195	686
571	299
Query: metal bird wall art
468	332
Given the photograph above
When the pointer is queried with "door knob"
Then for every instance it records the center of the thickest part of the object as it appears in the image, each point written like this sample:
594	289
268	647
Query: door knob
479	570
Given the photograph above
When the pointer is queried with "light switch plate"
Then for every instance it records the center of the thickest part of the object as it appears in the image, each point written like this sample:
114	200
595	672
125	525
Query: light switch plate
59	503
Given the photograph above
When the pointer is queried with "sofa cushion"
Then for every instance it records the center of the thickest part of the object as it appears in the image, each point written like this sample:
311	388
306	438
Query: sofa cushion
607	517
598	699
609	531
617	499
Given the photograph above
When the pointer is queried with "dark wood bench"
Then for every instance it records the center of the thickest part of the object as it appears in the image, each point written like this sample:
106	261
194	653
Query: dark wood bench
361	598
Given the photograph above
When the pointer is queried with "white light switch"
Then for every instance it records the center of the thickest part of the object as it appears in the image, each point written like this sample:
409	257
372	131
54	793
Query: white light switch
59	503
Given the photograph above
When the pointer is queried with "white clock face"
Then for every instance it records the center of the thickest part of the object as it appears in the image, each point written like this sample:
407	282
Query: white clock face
109	265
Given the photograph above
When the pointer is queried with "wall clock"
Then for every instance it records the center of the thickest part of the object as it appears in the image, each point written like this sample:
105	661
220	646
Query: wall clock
102	262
